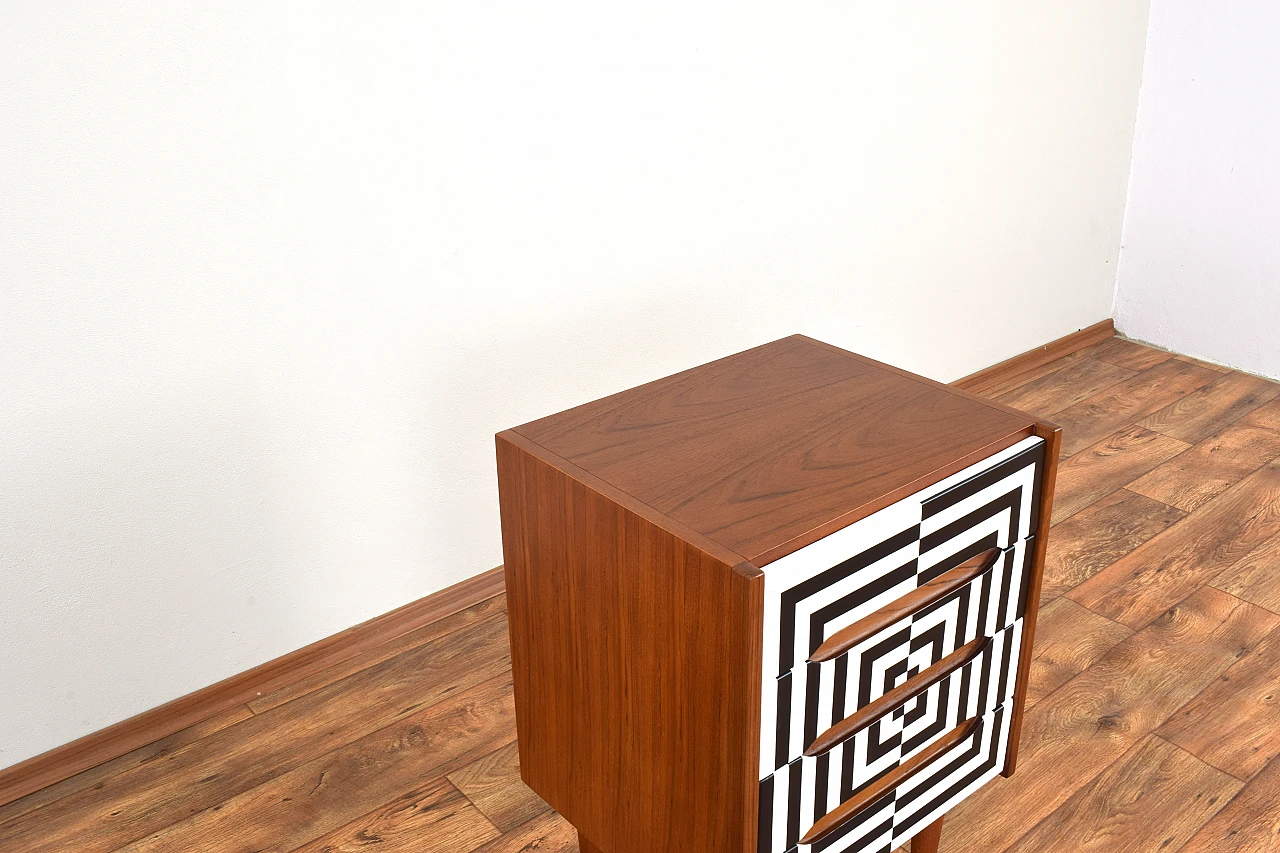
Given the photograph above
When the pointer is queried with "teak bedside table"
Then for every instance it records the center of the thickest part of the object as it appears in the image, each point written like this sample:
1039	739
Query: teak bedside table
781	601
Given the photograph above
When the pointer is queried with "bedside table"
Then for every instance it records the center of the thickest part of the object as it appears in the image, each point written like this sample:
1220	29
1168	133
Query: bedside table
782	601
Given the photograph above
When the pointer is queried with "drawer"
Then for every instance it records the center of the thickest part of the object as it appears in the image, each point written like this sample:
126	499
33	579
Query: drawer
886	811
845	577
947	643
884	734
815	695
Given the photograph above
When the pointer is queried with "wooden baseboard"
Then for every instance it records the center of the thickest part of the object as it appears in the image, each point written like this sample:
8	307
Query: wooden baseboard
149	726
91	750
994	375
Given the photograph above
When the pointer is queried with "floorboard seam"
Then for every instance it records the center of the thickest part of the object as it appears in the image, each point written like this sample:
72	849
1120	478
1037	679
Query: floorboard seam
1199	758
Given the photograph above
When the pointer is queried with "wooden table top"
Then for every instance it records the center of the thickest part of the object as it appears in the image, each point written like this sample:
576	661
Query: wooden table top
770	449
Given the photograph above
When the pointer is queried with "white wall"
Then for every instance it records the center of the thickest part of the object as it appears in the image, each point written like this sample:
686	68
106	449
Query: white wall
1200	269
272	275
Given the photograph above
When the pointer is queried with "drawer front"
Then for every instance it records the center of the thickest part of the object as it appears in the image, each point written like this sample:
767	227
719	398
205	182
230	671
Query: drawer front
855	572
796	797
814	698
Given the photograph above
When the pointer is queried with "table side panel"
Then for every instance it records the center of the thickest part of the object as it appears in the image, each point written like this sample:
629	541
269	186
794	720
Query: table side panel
1052	435
636	663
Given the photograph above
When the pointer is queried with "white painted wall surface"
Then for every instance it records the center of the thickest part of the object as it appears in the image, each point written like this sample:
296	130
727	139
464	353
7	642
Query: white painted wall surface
272	274
1200	269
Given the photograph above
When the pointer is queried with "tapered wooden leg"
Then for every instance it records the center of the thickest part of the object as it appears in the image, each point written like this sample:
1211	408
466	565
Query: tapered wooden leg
587	847
926	840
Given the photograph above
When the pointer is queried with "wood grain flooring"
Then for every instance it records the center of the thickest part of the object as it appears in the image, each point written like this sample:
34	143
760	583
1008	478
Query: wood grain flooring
1153	719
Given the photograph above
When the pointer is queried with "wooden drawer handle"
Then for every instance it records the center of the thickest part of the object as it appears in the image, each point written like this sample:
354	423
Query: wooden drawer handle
903	693
918	599
836	818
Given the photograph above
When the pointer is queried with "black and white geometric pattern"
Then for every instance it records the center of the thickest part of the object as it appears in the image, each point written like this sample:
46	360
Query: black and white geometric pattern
815	696
814	592
873	668
788	803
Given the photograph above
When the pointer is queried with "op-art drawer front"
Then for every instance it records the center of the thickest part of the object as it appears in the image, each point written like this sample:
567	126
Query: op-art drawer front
850	663
976	629
970	682
807	806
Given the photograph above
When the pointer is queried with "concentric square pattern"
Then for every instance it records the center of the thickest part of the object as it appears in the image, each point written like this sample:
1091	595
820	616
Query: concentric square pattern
814	592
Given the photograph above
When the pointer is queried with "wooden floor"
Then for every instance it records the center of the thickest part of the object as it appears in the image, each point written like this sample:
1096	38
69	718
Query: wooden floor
1154	718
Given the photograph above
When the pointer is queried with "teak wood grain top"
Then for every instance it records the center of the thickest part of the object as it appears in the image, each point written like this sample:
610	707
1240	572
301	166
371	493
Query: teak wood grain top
768	450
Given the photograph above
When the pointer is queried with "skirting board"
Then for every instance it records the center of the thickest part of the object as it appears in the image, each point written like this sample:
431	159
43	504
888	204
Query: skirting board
91	750
984	380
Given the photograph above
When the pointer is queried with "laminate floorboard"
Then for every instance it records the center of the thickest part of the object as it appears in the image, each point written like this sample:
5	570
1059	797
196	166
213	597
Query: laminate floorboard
1202	413
1232	724
1201	473
1009	383
1069	640
1208	365
1256	577
1190	554
1250	823
97	777
1117	459
1097	536
1127	402
1128	354
1080	729
1153	797
1153	713
1077	381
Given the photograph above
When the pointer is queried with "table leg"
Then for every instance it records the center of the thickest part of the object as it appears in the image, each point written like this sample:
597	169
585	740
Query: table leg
926	840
